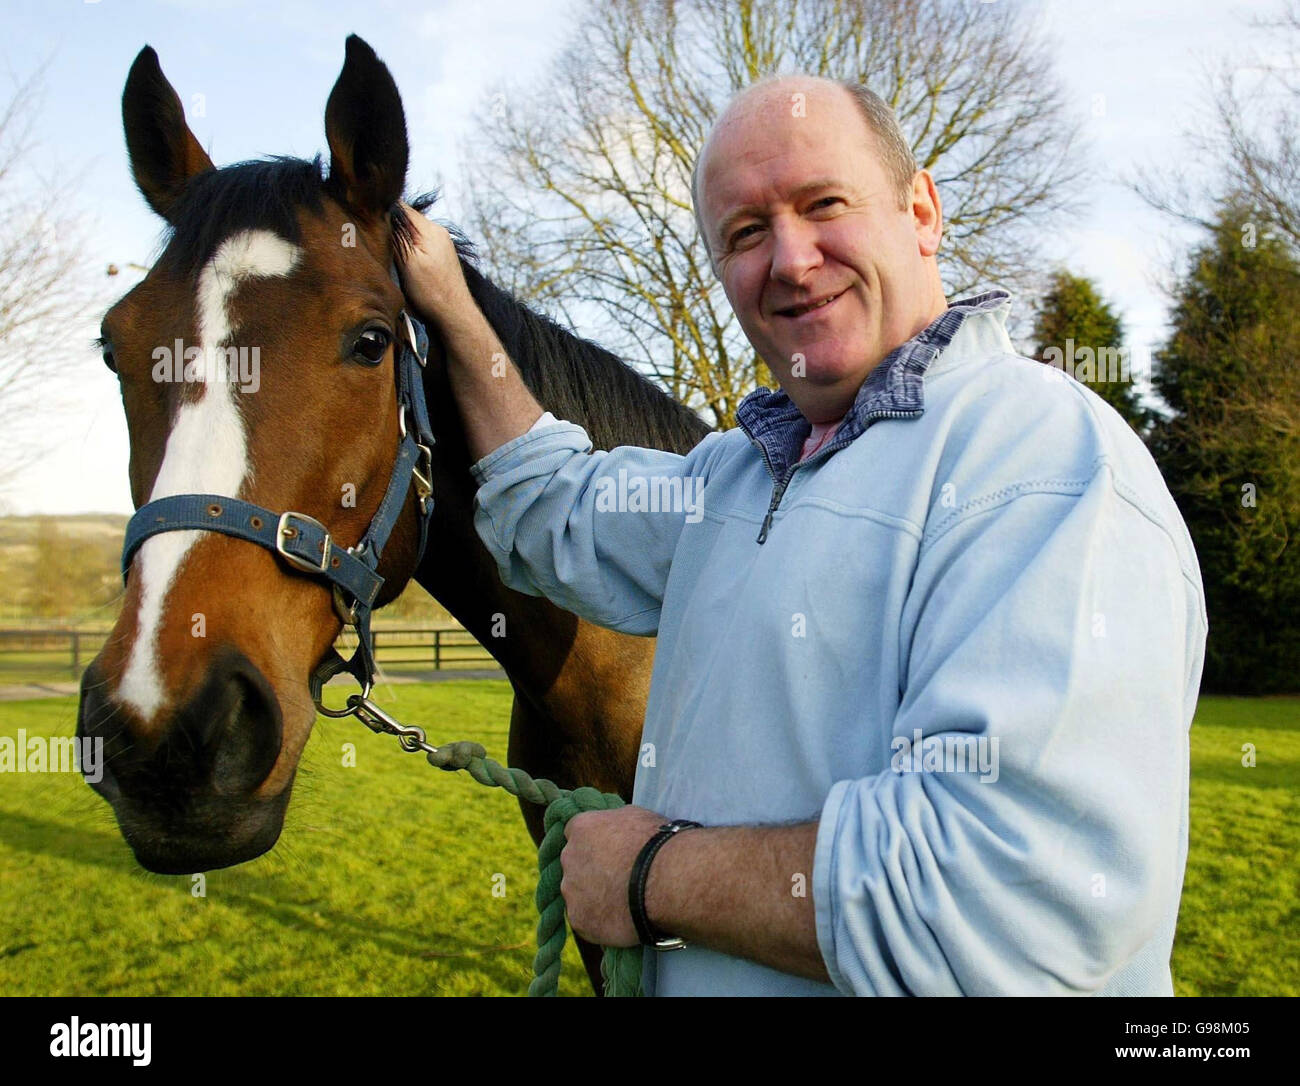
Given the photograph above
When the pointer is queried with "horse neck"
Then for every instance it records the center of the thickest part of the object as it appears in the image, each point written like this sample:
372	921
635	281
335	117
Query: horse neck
582	382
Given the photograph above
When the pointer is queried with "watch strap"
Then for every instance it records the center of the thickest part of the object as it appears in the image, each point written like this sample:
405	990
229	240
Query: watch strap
636	885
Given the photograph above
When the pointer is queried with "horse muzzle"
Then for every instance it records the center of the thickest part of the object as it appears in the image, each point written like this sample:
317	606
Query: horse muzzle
185	789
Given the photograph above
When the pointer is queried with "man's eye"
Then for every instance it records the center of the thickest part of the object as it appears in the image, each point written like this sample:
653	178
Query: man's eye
371	345
826	200
743	233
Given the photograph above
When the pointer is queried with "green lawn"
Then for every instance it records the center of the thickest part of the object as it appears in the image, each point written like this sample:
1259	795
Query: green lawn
1239	925
382	881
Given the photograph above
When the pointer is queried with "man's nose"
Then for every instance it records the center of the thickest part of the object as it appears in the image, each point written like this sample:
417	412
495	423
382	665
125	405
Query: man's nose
795	250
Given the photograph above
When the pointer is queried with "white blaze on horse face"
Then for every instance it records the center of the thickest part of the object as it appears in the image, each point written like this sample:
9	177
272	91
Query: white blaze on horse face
207	451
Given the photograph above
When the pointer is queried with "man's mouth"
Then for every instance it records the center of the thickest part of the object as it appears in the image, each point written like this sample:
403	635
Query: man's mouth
805	308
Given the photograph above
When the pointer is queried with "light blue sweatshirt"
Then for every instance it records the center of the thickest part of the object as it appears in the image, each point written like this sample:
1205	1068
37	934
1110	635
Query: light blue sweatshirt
968	646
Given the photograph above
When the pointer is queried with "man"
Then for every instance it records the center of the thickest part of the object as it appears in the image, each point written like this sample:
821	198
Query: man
924	675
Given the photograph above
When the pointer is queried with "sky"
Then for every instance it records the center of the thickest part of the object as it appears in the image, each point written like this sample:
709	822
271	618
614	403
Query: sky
254	76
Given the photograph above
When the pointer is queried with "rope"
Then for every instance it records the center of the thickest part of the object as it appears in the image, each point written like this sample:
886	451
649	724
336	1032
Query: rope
621	966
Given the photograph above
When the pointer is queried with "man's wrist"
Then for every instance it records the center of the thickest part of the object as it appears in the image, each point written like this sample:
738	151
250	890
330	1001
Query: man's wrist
662	884
729	889
461	325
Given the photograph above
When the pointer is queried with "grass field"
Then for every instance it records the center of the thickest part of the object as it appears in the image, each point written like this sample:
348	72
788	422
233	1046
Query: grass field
382	882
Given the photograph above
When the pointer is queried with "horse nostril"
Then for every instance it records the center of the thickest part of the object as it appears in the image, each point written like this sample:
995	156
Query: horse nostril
228	733
226	737
251	731
98	720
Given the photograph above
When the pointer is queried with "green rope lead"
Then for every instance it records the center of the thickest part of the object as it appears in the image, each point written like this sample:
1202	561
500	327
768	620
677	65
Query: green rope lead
621	966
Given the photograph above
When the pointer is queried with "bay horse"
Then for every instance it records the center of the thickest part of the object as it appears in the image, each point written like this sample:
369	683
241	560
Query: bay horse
201	691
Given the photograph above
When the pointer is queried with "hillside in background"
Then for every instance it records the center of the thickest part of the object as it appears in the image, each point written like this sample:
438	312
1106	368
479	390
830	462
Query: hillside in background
64	571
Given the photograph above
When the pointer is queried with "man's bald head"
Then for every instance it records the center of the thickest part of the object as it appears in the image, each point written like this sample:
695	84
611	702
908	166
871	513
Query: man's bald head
823	235
880	126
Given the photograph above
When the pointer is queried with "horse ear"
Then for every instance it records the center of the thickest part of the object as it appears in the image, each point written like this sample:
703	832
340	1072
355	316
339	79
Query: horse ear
164	153
366	131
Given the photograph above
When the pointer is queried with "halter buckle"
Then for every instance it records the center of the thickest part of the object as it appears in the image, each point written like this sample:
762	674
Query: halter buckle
415	343
422	473
286	530
348	613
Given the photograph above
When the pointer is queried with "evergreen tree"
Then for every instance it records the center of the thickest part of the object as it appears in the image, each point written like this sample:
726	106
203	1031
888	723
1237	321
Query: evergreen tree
1077	331
1230	452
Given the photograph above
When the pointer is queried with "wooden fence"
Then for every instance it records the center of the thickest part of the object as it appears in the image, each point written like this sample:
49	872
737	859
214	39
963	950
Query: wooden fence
35	653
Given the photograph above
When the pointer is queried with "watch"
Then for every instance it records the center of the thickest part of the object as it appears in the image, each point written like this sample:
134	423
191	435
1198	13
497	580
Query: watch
636	884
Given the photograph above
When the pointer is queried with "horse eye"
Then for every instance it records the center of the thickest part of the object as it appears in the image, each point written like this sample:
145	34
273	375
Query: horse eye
106	352
371	345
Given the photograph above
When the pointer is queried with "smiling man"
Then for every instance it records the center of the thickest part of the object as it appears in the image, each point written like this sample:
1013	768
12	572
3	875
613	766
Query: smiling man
825	245
928	658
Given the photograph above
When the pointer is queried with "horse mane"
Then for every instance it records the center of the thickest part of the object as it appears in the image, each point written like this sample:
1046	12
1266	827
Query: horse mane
570	376
261	194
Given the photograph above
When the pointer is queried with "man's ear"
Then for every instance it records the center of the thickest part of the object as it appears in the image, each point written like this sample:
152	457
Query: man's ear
927	213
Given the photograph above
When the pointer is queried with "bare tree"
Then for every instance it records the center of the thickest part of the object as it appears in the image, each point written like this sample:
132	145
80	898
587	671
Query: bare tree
1263	160
580	186
45	292
1251	145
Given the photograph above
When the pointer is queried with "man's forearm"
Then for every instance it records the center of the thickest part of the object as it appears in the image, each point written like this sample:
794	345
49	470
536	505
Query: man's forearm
495	404
741	890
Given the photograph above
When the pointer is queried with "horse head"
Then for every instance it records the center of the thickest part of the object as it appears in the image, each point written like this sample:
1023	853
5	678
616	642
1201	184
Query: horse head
257	360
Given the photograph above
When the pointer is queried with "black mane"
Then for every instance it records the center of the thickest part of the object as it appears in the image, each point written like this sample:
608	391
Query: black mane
263	194
578	380
572	377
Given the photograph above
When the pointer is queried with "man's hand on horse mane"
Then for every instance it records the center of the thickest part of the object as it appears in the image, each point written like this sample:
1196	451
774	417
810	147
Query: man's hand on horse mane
733	889
432	278
495	404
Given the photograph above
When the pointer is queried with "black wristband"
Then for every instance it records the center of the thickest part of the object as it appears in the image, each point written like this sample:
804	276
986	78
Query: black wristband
636	887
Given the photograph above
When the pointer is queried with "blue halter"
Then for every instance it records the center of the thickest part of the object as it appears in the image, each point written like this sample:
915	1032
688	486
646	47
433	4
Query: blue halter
304	543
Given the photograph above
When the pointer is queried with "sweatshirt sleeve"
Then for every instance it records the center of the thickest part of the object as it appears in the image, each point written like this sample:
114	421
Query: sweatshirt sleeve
593	532
1048	634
